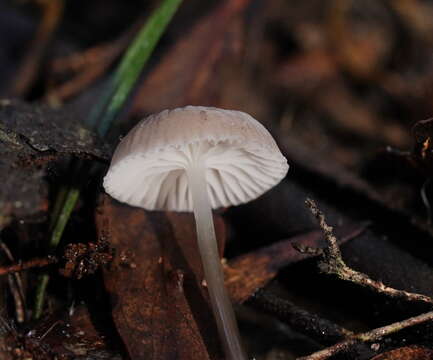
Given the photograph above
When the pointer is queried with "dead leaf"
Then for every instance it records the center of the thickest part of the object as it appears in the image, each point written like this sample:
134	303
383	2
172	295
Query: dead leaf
187	73
305	72
160	307
360	50
406	353
352	115
65	337
250	272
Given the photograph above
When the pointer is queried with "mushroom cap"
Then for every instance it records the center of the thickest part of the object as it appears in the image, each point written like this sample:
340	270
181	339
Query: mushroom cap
149	167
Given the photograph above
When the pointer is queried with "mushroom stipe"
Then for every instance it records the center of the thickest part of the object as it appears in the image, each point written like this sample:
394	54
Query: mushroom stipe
197	159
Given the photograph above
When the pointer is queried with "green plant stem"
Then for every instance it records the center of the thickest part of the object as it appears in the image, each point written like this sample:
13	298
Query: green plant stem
69	205
70	200
101	118
131	65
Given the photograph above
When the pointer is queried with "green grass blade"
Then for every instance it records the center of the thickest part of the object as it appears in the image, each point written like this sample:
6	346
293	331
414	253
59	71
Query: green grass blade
70	197
132	63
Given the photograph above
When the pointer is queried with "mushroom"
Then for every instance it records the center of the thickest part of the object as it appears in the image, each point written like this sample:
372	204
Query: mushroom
197	159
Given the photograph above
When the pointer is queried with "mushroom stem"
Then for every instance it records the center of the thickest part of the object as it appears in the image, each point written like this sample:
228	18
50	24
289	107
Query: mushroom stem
213	272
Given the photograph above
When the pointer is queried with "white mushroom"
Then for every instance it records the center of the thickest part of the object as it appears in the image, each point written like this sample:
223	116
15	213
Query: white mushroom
194	159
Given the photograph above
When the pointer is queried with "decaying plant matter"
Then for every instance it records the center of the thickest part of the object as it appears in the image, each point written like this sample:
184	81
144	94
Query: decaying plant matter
332	263
344	87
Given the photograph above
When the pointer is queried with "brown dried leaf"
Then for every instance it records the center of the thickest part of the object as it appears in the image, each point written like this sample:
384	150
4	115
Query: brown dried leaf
186	75
71	337
67	338
250	272
351	114
305	72
160	307
406	353
361	50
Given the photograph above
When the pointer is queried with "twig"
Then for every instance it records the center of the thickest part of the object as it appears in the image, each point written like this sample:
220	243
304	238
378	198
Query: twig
332	263
18	297
33	263
369	336
320	329
16	287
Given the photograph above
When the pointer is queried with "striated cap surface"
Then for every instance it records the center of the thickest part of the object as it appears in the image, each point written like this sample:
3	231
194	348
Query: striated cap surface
149	167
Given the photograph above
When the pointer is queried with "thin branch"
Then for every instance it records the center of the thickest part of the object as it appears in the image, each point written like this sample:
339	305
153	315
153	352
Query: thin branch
320	329
16	287
33	263
333	263
369	336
